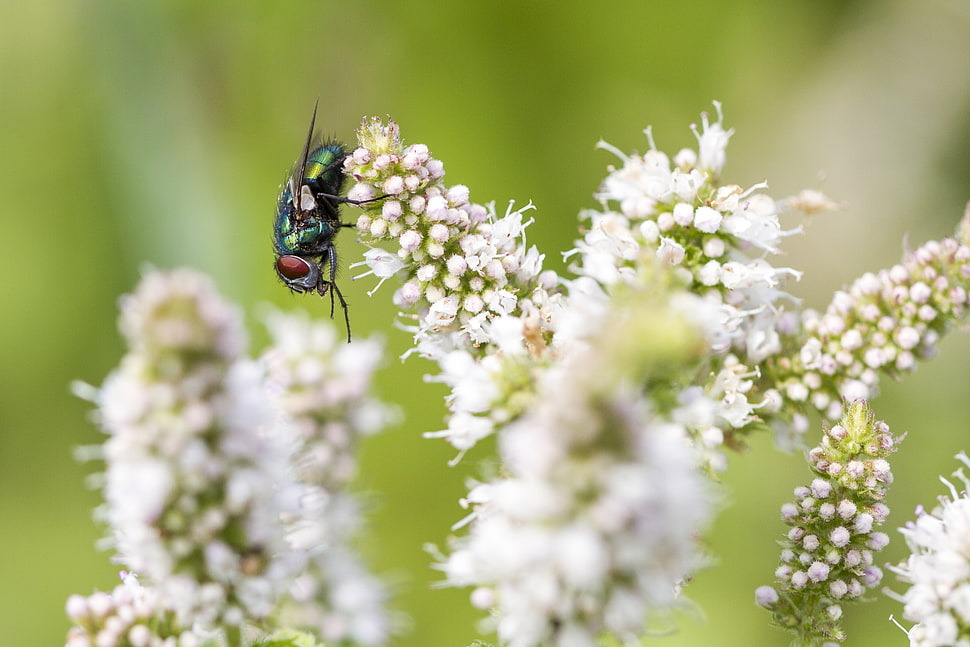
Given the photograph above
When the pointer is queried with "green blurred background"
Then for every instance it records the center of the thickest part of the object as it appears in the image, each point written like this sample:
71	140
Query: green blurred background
158	133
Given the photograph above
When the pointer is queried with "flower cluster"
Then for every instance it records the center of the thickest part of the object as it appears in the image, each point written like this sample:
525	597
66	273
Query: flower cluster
323	386
461	265
882	324
938	570
482	304
598	518
193	483
130	616
223	486
827	557
718	238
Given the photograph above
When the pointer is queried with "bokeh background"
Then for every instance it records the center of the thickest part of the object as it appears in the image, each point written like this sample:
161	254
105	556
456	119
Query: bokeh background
157	133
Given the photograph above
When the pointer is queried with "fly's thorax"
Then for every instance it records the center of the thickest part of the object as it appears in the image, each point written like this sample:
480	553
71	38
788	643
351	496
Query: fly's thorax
324	172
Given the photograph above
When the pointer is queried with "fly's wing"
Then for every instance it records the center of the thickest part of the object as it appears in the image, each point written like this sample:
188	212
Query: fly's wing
296	178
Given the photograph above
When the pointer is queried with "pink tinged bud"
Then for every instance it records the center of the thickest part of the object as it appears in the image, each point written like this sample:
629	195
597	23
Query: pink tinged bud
789	512
906	337
783	572
853	558
853	390
855	469
821	488
435	250
838	589
801	492
361	156
834	469
855	588
787	555
851	340
878	541
417	204
879	512
394	185
818	571
457	265
834	612
797	392
140	636
483	598
837	432
827	511
842	302
391	209
920	292
833	324
665	221
435	168
766	596
833	556
361	191
810	543
494	269
847	508
806	558
410	292
872	576
410	240
473	304
383	161
840	536
881	469
438	233
874	357
100	604
378	227
906	361
76	607
808	504
863	523
796	533
898	274
426	272
799	579
870	312
926	313
451	281
436	208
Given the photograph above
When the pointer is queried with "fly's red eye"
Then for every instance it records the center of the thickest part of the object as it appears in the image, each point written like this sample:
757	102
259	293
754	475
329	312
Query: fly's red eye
292	267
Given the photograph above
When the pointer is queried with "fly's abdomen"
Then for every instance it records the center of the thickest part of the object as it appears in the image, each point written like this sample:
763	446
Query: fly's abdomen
302	238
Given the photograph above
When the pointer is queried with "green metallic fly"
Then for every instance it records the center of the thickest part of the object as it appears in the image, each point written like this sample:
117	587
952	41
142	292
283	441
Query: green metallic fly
308	219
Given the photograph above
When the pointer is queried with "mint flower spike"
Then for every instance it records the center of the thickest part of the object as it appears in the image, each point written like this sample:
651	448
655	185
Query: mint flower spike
483	308
827	557
195	482
130	616
323	386
881	325
597	518
461	265
938	569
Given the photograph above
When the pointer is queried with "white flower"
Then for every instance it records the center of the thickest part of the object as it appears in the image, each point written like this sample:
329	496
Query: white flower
193	468
938	569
